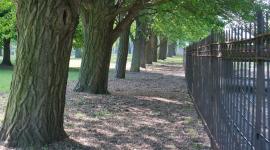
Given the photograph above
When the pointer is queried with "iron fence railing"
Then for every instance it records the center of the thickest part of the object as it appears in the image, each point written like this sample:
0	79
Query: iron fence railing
228	76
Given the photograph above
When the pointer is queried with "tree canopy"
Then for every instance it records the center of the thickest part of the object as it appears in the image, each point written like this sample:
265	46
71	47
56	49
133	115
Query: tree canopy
192	20
7	19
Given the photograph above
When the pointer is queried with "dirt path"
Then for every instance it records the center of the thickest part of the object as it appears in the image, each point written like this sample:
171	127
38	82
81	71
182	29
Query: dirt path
148	110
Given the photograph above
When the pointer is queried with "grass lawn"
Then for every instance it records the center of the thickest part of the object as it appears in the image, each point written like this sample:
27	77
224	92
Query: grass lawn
5	79
6	74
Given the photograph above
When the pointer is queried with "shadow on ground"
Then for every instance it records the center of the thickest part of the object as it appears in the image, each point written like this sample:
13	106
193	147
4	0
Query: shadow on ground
147	110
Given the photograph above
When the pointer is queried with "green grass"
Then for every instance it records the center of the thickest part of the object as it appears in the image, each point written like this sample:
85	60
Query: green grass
176	60
73	74
5	79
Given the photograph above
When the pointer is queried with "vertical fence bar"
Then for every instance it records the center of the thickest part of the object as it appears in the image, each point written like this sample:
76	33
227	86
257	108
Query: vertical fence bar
260	81
230	82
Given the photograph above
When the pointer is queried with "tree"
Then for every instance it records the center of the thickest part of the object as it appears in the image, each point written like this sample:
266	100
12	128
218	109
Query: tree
6	57
149	52
98	28
100	32
172	49
34	113
163	48
122	54
78	40
138	46
154	46
99	22
7	29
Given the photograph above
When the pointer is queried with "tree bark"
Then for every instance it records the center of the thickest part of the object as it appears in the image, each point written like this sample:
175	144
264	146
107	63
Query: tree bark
138	46
163	49
154	46
6	57
98	34
122	55
149	52
34	114
143	52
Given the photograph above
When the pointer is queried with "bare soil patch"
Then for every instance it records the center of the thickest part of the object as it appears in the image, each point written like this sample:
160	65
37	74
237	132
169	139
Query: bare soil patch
147	110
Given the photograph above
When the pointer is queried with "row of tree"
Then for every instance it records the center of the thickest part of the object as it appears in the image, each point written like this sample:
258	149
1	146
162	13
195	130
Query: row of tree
46	34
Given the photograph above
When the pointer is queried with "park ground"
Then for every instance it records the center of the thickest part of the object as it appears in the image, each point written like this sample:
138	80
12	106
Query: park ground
147	110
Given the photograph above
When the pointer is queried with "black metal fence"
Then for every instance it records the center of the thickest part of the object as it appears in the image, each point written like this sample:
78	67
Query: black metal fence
228	76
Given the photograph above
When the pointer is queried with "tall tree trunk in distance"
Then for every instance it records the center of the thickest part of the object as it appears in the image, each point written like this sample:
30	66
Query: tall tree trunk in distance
149	52
143	52
154	46
143	42
1	52
175	49
6	57
171	49
122	55
35	109
78	53
136	60
163	49
98	29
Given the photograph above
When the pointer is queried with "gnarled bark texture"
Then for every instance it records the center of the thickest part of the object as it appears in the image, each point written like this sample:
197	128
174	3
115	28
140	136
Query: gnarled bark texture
98	34
6	57
122	55
163	49
34	114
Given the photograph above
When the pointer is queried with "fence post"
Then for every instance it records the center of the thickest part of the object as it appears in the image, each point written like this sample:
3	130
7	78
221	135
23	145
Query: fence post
212	89
260	85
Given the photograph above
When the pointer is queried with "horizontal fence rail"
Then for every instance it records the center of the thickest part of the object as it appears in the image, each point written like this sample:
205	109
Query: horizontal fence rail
228	76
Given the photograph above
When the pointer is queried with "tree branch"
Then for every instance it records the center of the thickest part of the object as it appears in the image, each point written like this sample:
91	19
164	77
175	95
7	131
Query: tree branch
133	11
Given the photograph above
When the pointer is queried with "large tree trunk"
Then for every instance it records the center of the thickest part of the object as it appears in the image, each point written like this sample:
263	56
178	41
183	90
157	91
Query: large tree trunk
122	55
34	114
138	45
171	49
154	46
149	52
6	57
163	49
98	28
